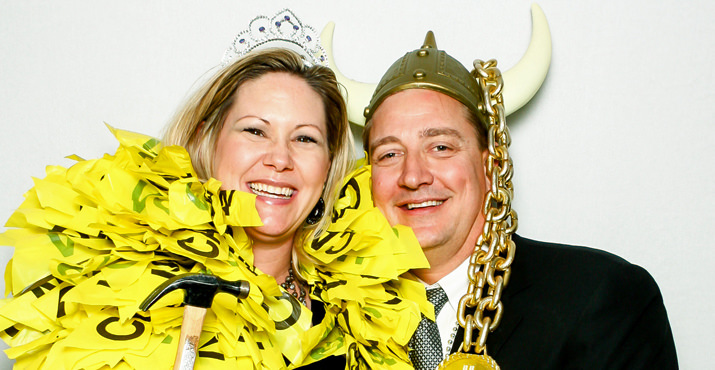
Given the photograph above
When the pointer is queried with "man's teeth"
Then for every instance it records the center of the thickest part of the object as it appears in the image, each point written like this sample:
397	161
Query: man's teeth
429	203
271	191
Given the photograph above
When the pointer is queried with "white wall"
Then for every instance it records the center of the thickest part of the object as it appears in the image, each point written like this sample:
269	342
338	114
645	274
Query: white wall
615	152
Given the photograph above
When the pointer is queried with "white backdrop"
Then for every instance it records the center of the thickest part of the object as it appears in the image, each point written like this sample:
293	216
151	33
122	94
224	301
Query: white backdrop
615	151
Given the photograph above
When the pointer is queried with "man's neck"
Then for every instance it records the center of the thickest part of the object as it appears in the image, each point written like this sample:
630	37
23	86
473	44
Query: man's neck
441	266
445	258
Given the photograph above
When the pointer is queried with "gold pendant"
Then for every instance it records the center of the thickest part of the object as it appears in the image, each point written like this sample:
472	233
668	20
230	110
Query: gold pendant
468	361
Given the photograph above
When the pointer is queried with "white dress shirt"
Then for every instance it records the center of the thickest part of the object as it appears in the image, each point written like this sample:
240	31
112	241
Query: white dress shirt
455	285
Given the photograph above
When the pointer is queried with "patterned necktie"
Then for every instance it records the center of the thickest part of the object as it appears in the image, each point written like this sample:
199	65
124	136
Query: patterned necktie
426	345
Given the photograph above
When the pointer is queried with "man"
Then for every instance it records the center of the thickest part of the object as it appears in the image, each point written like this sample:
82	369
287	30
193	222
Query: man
550	306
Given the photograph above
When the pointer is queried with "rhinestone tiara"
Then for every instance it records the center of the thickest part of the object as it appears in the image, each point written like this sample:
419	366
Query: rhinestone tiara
282	30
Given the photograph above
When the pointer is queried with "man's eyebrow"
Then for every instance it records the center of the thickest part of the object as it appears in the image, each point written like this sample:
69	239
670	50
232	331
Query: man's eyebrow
439	131
429	132
383	141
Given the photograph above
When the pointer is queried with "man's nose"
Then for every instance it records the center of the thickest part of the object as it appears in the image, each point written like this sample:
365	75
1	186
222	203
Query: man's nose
415	172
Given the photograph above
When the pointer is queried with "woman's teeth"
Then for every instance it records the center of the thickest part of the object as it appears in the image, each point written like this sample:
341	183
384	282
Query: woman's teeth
270	191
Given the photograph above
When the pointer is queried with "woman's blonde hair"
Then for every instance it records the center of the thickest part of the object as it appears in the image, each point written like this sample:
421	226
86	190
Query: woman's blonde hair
197	124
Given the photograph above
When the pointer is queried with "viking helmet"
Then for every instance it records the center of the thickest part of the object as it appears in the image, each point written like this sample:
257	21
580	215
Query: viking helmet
521	81
432	69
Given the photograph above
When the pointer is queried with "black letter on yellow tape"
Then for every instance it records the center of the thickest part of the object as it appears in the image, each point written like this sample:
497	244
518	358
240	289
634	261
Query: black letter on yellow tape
226	197
60	303
294	315
210	354
102	330
352	183
212	241
317	244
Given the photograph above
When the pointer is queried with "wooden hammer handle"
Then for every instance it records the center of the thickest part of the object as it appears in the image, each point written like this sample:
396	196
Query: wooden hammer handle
191	328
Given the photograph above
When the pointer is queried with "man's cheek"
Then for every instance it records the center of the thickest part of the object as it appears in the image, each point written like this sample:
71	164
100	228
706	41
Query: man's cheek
381	190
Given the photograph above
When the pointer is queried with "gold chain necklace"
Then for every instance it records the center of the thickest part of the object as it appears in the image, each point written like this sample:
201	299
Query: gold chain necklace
490	262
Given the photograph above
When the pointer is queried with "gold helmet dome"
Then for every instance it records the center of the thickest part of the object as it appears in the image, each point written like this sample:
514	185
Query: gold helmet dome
432	69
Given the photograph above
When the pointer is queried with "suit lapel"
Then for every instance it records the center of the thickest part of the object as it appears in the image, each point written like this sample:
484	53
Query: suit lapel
513	313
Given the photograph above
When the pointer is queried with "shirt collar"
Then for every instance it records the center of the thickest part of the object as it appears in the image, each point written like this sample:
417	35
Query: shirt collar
454	284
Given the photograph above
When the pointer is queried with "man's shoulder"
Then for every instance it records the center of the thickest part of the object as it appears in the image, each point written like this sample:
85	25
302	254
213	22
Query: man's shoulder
576	257
571	306
580	266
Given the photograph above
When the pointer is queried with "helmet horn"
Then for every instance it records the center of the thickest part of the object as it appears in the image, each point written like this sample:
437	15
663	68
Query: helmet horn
358	93
521	82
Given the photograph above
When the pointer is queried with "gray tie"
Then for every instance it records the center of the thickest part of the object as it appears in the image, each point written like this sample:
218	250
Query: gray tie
426	345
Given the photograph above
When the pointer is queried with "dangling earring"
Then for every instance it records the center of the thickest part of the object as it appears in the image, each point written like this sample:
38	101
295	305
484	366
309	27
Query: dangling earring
317	213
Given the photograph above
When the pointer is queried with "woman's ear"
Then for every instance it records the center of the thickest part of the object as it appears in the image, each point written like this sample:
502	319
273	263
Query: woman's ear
199	128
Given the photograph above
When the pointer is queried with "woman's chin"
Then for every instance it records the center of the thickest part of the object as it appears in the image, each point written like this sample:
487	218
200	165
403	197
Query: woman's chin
271	233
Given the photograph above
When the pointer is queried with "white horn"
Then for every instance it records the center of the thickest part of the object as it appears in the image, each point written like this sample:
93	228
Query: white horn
360	92
522	81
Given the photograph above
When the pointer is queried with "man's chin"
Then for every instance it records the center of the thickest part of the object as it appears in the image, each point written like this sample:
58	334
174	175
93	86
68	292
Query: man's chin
429	239
430	243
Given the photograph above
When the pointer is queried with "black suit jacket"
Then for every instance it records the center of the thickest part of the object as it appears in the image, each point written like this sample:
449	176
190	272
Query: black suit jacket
568	307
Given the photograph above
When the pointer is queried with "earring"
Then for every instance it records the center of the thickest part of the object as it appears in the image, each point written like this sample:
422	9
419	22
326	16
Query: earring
317	213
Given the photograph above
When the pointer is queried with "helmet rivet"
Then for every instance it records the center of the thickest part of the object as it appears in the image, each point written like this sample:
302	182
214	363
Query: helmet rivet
419	74
423	53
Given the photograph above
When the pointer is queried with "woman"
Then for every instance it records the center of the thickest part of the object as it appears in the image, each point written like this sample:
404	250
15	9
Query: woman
266	143
272	126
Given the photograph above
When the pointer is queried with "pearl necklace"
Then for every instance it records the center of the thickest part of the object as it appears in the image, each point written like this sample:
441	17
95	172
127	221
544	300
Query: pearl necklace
450	342
293	288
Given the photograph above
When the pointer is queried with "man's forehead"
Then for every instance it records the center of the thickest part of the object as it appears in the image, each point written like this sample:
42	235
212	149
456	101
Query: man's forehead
415	114
415	100
401	136
386	131
422	104
438	129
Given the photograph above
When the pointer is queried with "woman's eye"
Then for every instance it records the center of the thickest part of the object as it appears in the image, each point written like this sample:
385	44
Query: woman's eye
253	131
306	139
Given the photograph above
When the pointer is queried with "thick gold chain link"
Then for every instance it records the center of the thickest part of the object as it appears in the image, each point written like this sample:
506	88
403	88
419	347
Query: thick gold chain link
490	263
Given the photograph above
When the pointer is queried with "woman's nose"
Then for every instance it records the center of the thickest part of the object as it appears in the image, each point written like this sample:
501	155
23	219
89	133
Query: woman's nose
279	157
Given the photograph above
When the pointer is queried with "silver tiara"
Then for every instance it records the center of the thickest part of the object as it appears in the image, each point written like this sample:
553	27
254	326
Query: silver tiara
282	30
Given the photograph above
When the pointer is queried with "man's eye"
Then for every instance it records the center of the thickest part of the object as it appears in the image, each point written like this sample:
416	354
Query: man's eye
387	155
441	148
253	131
306	139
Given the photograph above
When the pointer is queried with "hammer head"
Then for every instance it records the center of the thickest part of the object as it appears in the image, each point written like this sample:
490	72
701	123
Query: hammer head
199	289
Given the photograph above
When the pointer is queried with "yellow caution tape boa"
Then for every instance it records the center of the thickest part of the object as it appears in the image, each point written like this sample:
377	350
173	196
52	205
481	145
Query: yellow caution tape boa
92	241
